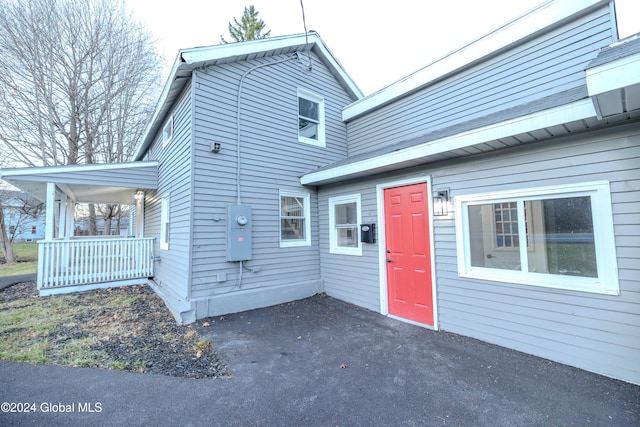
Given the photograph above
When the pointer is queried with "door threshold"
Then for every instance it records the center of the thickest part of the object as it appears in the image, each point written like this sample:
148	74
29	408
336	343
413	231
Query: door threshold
412	322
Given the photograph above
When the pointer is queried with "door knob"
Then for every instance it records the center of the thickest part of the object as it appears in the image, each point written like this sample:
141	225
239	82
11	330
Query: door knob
388	260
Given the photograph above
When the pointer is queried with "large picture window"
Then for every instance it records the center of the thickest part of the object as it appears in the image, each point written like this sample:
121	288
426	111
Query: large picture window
344	217
295	225
310	118
559	236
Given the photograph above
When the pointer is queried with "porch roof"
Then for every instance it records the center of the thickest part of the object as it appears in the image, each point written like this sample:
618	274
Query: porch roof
97	183
569	112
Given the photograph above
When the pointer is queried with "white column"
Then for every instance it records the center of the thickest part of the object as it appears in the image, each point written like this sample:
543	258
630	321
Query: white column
70	219
62	216
140	218
49	229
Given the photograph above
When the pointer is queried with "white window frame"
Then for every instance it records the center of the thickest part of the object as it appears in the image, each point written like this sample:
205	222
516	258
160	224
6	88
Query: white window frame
167	132
321	141
165	222
334	248
307	219
607	281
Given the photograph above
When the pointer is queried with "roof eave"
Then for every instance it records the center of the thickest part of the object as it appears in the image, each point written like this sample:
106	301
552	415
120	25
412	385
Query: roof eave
614	87
546	15
421	153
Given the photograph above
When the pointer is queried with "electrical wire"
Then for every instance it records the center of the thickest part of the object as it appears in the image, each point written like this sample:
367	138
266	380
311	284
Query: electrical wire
306	34
238	156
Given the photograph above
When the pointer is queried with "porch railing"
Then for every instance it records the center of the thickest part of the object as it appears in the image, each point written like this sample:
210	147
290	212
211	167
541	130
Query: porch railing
86	261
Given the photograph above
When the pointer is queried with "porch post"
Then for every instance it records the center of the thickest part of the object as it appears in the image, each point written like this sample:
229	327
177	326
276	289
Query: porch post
70	217
62	216
140	217
49	226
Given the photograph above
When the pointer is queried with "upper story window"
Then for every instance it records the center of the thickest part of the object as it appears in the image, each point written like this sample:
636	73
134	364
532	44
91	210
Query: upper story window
558	237
167	132
295	219
311	127
344	217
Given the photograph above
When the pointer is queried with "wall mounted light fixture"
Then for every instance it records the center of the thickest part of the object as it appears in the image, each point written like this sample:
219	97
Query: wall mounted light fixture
441	202
139	195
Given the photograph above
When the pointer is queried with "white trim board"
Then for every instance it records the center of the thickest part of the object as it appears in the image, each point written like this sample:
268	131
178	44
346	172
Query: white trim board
578	110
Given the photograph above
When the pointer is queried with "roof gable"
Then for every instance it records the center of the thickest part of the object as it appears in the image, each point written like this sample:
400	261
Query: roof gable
190	59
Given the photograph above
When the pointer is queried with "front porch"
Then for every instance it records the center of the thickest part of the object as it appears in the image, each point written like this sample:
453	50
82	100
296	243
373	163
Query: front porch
82	264
70	264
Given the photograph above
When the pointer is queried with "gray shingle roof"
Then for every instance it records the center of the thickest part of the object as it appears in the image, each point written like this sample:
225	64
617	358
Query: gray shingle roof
541	104
626	47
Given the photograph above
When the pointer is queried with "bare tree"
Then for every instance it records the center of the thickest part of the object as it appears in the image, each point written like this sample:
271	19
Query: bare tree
78	81
7	249
21	209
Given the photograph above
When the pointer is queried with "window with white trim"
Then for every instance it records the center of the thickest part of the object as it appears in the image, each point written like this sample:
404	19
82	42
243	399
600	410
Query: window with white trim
558	237
165	223
311	128
295	222
167	132
344	219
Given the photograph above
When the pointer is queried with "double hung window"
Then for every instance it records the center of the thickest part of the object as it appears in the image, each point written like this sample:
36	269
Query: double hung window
344	220
295	227
310	118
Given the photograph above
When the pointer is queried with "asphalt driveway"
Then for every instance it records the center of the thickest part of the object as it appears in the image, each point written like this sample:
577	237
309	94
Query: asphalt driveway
323	362
6	281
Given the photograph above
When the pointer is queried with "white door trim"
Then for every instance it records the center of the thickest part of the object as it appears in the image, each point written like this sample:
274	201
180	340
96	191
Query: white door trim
382	246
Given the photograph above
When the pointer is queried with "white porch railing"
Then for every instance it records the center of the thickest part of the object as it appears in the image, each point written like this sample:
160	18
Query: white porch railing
85	261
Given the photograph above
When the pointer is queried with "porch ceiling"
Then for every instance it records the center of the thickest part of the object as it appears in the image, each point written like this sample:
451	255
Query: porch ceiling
103	183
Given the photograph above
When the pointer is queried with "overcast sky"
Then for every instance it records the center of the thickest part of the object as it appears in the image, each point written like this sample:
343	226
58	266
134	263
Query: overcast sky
376	42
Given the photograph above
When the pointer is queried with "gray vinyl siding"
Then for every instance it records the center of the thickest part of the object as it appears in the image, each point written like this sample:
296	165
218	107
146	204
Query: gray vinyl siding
174	180
600	333
272	160
351	278
546	65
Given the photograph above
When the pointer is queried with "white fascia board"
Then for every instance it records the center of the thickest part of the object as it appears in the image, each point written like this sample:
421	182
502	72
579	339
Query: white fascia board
17	172
196	56
578	110
326	53
543	16
618	74
142	145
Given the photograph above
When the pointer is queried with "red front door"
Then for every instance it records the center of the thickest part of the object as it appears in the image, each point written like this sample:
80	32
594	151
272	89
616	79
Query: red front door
408	253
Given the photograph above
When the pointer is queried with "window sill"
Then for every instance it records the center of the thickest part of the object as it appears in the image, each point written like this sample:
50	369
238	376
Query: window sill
554	281
294	244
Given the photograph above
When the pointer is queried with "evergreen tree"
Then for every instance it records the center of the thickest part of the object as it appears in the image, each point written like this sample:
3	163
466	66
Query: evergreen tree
250	27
